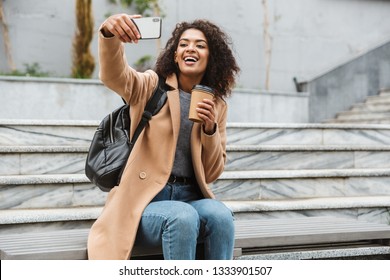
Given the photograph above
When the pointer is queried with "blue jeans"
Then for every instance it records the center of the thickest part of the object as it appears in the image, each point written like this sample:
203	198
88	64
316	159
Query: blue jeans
179	218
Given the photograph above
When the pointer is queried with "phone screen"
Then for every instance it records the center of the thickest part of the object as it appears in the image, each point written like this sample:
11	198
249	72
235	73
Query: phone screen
148	27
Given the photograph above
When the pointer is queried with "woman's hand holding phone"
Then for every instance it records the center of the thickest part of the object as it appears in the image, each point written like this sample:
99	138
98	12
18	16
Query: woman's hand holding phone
121	26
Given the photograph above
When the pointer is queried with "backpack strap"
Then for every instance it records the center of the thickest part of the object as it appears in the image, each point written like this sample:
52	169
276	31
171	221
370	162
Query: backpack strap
151	107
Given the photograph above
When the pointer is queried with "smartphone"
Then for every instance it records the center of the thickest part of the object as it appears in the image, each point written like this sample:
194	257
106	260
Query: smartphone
148	27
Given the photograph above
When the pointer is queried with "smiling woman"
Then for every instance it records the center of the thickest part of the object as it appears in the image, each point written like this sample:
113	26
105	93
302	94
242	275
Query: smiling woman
221	67
163	199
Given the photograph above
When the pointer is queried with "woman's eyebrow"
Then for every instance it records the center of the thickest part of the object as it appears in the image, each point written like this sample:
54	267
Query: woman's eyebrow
197	40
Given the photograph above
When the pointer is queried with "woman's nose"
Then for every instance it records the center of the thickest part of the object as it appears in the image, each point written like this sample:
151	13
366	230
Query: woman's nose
190	47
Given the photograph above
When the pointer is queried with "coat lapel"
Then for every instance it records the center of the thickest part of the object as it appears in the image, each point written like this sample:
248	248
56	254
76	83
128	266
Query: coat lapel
174	108
174	104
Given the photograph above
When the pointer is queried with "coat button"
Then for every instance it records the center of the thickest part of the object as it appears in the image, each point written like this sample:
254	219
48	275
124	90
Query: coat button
142	175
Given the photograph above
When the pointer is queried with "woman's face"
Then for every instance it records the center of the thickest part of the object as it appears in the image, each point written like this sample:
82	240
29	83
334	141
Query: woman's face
192	54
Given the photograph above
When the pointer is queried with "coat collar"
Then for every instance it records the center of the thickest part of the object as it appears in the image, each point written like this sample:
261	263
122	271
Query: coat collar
172	81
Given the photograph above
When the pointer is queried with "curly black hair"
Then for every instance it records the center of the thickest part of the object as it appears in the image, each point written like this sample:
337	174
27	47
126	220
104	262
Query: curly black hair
222	66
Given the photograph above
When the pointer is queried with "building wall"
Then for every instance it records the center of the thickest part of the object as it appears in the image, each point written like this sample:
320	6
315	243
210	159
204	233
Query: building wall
306	36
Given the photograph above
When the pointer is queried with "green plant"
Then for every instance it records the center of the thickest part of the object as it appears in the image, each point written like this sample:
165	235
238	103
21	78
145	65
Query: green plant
35	70
144	63
31	70
83	61
143	7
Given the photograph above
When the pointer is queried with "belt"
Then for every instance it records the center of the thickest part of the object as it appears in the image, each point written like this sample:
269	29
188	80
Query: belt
184	180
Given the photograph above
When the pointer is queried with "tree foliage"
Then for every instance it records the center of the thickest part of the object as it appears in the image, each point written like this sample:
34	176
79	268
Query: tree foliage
143	7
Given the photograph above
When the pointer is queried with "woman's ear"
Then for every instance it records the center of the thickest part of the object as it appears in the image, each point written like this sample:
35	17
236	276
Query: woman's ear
175	57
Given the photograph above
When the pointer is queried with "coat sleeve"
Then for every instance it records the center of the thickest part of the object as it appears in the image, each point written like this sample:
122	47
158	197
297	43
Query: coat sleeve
214	147
134	87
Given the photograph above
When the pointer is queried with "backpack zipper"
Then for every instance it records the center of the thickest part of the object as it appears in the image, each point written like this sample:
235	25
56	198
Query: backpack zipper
111	129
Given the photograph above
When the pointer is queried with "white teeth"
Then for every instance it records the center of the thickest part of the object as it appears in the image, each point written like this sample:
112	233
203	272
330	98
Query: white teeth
193	59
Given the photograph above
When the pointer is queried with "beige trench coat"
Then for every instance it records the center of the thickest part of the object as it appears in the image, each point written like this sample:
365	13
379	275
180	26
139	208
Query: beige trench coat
149	165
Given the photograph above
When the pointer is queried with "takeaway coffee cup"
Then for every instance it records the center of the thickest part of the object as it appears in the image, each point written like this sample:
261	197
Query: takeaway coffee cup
198	93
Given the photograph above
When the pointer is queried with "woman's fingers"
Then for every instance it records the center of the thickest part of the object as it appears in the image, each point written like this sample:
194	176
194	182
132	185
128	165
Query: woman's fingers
206	107
206	111
123	27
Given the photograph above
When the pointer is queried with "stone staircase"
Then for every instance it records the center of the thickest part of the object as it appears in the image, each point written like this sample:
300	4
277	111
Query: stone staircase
375	109
273	170
307	170
42	181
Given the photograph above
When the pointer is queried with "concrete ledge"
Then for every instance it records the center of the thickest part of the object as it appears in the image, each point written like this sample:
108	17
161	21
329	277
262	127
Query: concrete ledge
38	122
43	179
50	80
90	99
44	149
243	125
229	148
263	106
24	216
319	173
308	125
65	99
309	204
305	148
321	254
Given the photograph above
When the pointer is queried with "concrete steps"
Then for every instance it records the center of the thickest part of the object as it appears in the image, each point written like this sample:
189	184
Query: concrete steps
30	160
367	208
384	96
371	107
308	134
375	109
301	157
301	184
75	190
80	133
49	191
367	121
272	170
46	132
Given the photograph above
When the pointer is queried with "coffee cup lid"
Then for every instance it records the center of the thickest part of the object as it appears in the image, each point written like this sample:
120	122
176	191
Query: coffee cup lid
204	88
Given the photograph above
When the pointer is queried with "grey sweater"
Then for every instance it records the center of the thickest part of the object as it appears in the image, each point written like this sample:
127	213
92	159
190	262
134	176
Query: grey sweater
182	166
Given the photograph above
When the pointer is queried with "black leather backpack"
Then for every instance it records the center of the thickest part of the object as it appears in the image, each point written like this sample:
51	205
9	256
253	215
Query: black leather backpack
111	145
